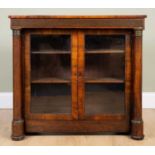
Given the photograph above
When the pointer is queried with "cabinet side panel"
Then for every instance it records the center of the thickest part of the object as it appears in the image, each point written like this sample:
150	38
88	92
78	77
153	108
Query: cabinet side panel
128	75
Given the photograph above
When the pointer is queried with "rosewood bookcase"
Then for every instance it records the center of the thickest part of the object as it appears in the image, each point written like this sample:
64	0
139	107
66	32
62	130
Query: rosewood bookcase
77	75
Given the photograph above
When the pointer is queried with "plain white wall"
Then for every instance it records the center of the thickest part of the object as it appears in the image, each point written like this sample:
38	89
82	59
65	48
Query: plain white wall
6	40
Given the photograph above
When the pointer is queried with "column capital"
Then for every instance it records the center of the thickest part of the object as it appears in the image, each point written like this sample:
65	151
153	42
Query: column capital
138	32
16	32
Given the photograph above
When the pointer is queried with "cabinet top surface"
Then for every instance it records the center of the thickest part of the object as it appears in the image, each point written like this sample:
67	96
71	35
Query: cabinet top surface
80	17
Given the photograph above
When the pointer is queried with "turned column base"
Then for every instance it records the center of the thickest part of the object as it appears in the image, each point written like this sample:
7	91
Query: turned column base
17	130
137	129
17	138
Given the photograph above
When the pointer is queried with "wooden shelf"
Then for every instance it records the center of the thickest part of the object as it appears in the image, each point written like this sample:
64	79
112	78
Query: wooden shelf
87	80
50	52
105	51
50	80
104	80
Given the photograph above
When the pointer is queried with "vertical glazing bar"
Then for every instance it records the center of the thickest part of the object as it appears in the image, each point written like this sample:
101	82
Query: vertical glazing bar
81	67
74	45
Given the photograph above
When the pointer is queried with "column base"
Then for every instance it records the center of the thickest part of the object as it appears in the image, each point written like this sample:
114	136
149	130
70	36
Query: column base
137	130
17	130
17	138
137	137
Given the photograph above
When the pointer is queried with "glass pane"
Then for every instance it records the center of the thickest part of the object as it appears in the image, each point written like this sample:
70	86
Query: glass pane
103	42
50	43
51	74
104	99
104	74
51	98
104	66
54	68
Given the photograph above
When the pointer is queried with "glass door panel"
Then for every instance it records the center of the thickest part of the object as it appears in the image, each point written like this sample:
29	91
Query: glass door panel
104	68
104	98
51	74
104	74
51	98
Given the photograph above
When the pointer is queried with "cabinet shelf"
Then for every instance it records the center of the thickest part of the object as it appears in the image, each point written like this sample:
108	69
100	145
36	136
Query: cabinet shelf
50	52
104	80
49	80
59	80
105	51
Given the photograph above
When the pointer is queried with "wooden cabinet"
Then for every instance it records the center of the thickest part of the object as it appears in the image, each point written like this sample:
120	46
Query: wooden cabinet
77	74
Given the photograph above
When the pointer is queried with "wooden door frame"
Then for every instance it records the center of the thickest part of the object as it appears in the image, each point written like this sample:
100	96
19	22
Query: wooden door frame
27	73
81	69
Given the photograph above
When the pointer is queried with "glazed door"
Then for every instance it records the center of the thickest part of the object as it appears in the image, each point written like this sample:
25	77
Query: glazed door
51	75
104	80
